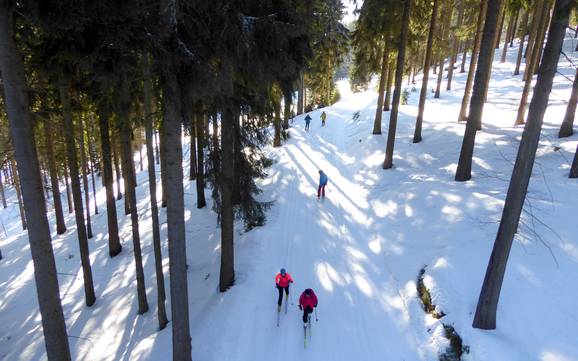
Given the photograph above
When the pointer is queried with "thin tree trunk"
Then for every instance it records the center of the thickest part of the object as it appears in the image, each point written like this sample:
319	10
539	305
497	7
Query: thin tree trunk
157	152
382	84
237	159
85	179
49	146
502	15
173	153
508	35
126	156
521	48
286	108
387	101
485	317
16	95
193	147
4	205
566	129
464	57
501	28
116	167
541	37
464	170
300	95
388	161
455	46
227	272
574	167
114	246
515	28
68	190
473	60
140	157
528	74
164	186
276	124
426	68
444	34
161	297
76	191
201	136
92	170
16	178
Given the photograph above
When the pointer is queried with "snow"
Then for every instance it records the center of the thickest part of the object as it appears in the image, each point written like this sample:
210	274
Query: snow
360	249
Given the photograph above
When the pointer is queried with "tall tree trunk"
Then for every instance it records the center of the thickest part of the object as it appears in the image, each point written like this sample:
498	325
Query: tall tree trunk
164	186
508	35
116	167
193	147
148	122
455	46
49	146
531	64
237	160
93	168
444	34
382	84
574	167
16	178
426	69
515	27
464	57
68	190
114	246
300	94
502	15
201	136
388	161
473	60
126	156
521	48
276	124
173	153
390	73
568	122
4	205
16	95
64	88
501	26
227	272
287	100
85	179
464	171
485	317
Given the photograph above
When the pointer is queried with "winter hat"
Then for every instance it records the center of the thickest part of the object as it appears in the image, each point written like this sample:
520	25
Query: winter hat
308	291
283	271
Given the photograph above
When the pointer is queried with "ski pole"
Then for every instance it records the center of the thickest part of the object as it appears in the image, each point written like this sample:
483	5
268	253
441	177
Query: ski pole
316	319
291	297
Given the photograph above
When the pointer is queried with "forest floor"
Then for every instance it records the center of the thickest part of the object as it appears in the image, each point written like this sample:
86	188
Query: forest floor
361	248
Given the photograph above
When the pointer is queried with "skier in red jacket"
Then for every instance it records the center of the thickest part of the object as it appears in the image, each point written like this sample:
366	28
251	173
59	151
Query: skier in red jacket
282	281
307	302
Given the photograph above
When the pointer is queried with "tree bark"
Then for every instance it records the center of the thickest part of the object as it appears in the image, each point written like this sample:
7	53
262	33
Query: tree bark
455	46
485	317
49	145
300	95
16	178
227	272
508	35
64	88
193	147
473	60
521	48
388	161
387	100
161	296
464	170
515	27
426	69
116	167
444	34
164	186
276	124
85	179
68	190
502	15
381	91
16	95
501	27
201	136
4	205
92	171
531	64
126	156
286	108
566	129
114	246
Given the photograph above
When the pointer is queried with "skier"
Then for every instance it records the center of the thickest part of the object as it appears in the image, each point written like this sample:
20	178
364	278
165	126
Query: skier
282	281
307	302
307	121
322	183
323	117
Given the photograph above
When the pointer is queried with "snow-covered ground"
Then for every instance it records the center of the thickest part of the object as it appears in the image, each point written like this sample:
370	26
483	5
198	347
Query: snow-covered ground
360	249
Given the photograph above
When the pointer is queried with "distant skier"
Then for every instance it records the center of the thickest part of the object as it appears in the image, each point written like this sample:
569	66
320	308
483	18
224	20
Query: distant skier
282	281
307	121
322	183
307	302
323	117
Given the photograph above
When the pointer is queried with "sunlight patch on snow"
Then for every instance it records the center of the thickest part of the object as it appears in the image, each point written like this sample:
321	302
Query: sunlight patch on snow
528	274
375	244
326	275
363	285
453	214
383	210
554	356
408	211
482	163
571	249
441	263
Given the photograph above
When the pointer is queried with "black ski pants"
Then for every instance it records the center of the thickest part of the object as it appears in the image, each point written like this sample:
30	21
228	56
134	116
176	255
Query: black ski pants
306	311
280	289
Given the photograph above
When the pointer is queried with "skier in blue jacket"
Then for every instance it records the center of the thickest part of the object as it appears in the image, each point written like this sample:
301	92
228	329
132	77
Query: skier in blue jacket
322	183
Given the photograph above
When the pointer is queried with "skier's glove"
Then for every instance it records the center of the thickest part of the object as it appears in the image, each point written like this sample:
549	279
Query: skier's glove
301	308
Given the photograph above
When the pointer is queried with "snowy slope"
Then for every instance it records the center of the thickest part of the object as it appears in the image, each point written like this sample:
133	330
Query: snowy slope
360	249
